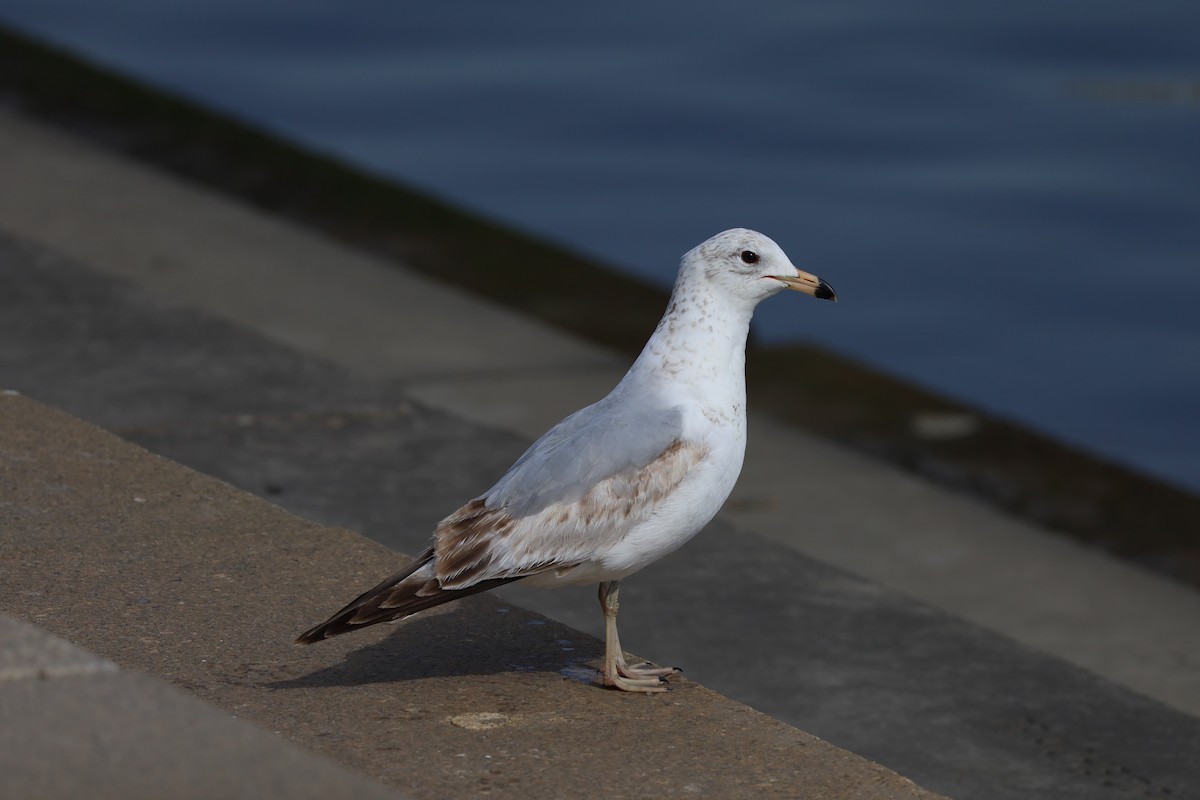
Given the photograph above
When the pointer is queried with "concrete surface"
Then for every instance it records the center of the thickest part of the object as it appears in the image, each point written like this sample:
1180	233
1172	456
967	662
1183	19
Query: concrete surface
76	727
188	246
163	570
962	710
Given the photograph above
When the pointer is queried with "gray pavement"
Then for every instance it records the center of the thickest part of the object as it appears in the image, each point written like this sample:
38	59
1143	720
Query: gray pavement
369	426
75	726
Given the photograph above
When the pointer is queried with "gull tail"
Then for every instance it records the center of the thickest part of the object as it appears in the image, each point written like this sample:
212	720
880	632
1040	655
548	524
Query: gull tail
412	589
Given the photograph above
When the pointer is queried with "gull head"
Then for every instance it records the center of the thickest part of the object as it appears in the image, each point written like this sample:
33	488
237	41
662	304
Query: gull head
749	266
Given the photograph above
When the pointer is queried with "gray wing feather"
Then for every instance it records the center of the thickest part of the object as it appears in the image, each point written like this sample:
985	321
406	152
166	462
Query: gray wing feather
594	443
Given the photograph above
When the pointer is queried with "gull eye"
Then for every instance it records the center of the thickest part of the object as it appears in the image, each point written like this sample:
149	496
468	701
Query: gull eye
749	257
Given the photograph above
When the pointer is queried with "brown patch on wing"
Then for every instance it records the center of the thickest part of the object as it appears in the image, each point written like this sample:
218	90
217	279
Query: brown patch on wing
635	494
463	542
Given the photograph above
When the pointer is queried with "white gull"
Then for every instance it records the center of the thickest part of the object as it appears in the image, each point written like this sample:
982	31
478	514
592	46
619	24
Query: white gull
621	483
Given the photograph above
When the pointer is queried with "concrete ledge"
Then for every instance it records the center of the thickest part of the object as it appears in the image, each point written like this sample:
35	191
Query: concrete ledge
165	571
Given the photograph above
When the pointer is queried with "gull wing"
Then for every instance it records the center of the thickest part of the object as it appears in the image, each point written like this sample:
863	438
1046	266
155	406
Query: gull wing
574	493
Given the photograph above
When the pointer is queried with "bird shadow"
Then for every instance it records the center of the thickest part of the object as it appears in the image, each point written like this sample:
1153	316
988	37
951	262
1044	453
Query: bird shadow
472	639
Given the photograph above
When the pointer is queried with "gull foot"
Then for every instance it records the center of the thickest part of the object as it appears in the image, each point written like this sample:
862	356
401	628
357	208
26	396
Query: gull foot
644	685
646	670
643	677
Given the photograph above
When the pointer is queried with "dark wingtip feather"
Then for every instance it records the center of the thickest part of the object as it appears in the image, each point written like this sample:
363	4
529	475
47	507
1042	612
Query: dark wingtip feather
338	623
312	635
367	609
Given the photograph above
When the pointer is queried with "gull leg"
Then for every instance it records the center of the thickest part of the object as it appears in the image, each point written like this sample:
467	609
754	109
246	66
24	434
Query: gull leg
616	673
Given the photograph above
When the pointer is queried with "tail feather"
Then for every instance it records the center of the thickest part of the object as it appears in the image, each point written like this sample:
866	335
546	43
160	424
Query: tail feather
412	589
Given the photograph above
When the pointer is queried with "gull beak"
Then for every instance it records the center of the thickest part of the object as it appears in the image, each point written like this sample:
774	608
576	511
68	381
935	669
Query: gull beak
809	284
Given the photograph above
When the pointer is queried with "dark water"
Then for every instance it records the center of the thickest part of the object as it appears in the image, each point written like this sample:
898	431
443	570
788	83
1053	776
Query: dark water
1006	196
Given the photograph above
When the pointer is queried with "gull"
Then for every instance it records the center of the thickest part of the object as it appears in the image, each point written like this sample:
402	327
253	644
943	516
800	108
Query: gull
623	482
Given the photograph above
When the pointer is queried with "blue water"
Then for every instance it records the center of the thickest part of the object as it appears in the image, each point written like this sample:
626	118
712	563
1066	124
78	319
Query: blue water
1006	195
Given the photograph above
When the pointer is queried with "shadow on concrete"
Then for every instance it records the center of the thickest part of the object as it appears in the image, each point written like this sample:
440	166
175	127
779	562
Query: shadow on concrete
464	641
